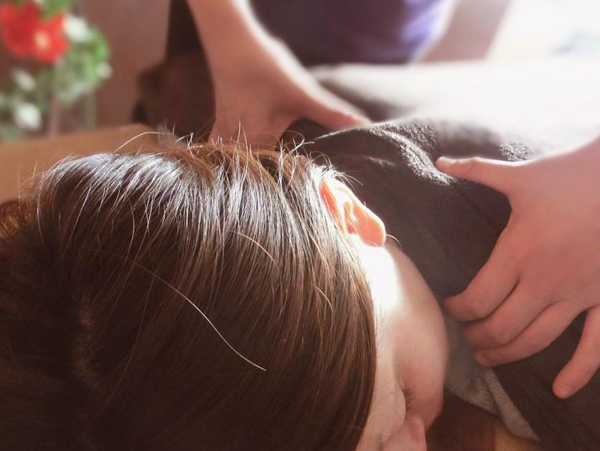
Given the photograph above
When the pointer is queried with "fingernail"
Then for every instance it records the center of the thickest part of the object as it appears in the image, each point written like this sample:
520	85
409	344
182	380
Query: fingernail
444	162
564	391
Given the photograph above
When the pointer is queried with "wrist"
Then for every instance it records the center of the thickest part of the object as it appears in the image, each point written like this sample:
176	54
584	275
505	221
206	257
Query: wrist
591	152
582	165
584	158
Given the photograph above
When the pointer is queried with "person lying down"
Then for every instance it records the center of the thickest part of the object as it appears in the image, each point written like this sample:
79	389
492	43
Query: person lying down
216	297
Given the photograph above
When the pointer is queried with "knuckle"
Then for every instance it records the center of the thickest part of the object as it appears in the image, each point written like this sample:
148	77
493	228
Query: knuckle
499	334
595	345
512	256
538	342
498	356
594	340
584	371
475	308
589	359
513	252
470	164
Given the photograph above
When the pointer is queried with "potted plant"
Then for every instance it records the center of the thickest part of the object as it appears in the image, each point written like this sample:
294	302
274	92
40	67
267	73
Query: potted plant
56	60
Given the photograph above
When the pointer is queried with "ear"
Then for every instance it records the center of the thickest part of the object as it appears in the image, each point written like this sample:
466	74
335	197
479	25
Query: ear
350	214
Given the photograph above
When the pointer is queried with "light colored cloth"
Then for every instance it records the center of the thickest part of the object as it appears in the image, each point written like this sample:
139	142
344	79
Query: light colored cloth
479	386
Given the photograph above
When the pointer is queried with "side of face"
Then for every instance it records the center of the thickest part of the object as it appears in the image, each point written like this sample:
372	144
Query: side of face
412	349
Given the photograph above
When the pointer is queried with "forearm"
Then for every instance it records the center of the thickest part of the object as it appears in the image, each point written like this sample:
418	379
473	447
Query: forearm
578	164
227	27
258	82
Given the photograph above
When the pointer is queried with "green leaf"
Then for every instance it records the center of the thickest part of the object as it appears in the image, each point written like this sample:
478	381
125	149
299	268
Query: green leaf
79	73
53	7
101	48
17	2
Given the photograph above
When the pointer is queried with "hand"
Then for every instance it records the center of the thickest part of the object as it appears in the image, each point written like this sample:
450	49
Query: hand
261	90
545	268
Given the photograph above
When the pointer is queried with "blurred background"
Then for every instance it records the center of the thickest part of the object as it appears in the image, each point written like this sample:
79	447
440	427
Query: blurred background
126	37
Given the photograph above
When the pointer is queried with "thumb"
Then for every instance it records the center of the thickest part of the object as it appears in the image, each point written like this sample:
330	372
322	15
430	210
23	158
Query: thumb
214	135
500	175
253	132
226	128
336	117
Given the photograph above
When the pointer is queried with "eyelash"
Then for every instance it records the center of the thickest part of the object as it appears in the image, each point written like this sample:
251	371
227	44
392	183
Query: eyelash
409	398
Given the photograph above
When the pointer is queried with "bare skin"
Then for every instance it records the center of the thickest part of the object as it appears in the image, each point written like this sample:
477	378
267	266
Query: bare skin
260	87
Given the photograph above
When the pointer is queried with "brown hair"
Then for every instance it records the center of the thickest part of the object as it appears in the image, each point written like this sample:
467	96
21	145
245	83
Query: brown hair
185	299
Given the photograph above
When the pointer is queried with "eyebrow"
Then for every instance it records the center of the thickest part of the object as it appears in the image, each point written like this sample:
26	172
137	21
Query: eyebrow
380	443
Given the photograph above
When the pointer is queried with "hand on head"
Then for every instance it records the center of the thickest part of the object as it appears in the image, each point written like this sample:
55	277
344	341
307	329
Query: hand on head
545	268
260	95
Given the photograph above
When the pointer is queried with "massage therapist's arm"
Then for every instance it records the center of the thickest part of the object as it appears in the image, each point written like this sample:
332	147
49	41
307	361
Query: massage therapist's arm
258	82
545	268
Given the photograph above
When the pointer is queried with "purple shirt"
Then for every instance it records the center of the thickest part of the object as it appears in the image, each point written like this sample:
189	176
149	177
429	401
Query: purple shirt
373	31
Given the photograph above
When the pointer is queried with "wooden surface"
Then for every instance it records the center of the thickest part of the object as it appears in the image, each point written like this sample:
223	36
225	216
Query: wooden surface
19	161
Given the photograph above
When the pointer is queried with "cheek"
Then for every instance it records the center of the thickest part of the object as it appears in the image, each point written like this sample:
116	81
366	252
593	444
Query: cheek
427	360
433	322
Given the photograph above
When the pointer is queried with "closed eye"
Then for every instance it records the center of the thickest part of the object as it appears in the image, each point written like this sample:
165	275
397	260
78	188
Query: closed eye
409	399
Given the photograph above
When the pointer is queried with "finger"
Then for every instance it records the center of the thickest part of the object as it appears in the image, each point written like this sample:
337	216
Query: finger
252	132
546	328
226	128
500	175
335	115
492	285
585	361
511	318
214	136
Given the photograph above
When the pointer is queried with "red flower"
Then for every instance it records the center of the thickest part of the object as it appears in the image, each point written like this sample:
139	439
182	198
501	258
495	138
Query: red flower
26	34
